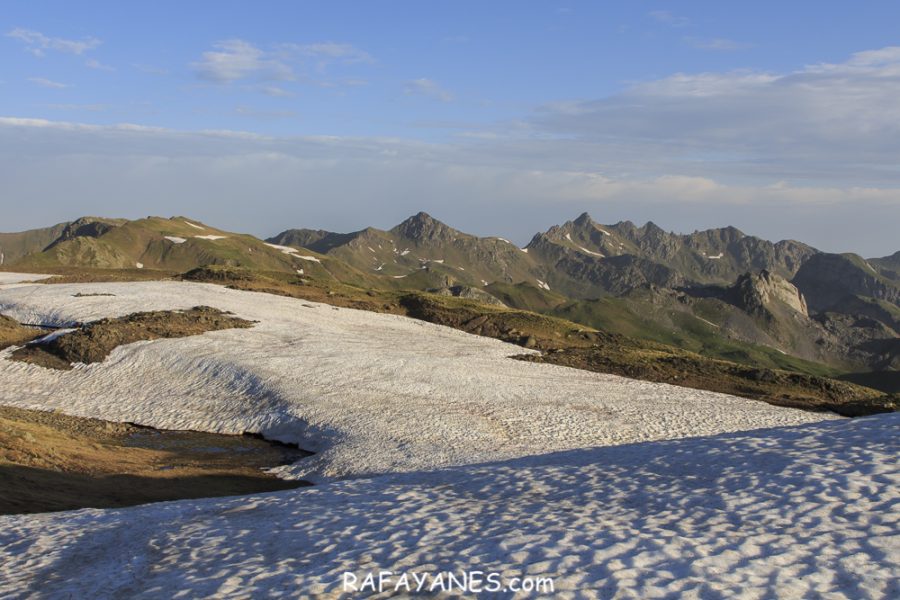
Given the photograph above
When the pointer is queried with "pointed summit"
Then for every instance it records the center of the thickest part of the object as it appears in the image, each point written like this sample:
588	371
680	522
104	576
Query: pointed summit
422	226
584	219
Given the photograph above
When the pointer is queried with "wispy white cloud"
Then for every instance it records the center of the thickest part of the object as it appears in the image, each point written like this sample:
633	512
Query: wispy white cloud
38	44
92	63
79	107
48	83
236	60
248	111
720	44
331	51
824	121
427	87
369	181
275	91
668	18
233	60
150	69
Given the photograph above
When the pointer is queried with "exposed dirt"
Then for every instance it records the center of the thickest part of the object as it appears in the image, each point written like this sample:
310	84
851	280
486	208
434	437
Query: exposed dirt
94	341
14	333
50	462
620	356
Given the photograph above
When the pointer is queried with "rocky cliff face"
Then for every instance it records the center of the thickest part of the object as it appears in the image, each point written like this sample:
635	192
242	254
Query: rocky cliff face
755	293
827	279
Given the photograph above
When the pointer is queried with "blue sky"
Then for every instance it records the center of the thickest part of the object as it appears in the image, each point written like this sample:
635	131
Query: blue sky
498	117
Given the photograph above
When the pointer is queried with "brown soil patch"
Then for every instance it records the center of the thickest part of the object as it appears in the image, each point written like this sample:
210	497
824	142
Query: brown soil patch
619	355
51	462
94	341
13	333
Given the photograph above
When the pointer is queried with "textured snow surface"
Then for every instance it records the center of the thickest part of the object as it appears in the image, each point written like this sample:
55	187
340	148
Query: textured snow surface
800	512
8	278
370	393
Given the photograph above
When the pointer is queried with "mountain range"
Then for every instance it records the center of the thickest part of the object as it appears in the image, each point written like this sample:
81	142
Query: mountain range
719	292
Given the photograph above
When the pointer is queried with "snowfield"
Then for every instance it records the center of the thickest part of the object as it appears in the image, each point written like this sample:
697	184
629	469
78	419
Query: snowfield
799	512
370	393
11	278
438	453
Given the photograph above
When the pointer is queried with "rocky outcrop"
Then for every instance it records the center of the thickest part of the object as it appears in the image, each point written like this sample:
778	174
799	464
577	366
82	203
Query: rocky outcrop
755	293
827	279
421	227
464	291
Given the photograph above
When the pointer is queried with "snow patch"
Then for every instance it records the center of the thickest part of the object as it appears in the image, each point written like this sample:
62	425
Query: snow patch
139	265
370	393
282	249
193	225
586	251
707	322
795	512
175	239
211	237
542	285
10	278
309	258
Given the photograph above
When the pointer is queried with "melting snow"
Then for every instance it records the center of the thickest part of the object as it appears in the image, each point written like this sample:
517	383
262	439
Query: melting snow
175	239
52	336
192	225
716	257
309	258
451	424
283	249
707	322
568	237
139	265
12	278
211	237
583	249
543	285
796	512
405	252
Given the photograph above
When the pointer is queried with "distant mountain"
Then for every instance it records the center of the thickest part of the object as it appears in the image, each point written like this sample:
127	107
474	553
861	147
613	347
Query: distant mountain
173	245
828	279
586	251
14	246
421	250
719	292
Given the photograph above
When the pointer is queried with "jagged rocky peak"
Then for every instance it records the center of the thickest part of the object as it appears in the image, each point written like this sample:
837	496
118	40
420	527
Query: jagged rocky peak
423	227
87	227
756	291
583	220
